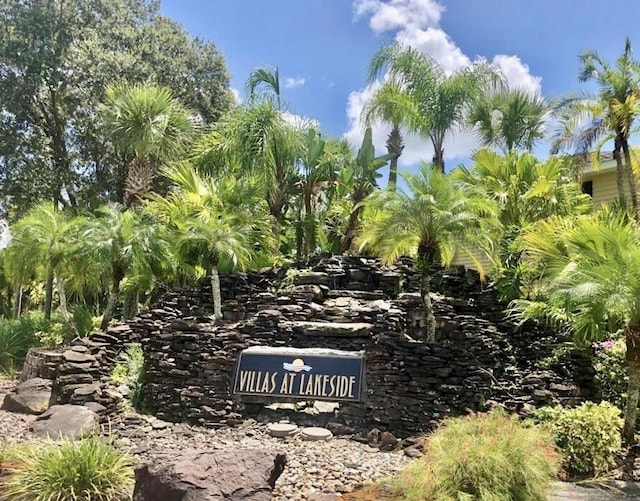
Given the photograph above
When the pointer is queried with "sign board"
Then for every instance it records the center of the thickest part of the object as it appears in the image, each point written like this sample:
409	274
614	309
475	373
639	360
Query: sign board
308	374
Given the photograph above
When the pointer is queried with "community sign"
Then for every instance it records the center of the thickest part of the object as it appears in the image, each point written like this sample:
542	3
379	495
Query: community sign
312	373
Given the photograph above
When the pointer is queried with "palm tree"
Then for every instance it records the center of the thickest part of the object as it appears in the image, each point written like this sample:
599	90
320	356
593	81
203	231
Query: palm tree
264	82
214	223
590	284
361	178
121	242
147	124
42	239
440	99
526	191
593	120
509	119
432	221
390	104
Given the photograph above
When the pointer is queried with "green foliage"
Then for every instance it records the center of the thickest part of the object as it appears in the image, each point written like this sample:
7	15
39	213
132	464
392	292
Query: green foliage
17	336
491	457
90	469
130	371
589	436
611	371
56	60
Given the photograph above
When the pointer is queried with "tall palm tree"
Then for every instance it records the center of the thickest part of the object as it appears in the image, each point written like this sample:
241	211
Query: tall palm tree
215	223
589	121
390	104
121	242
149	126
264	82
440	99
41	239
590	284
432	221
509	119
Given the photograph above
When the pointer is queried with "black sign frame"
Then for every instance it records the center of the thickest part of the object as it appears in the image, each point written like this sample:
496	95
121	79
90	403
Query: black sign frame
290	354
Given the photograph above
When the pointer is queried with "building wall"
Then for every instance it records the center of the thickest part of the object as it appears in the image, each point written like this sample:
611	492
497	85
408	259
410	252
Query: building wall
605	188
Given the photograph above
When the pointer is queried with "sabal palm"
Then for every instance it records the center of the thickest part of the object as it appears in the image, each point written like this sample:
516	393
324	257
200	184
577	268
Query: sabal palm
215	223
390	104
41	239
150	125
509	119
589	121
121	242
440	99
432	221
590	270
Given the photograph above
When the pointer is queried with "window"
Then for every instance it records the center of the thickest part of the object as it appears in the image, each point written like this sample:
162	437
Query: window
587	187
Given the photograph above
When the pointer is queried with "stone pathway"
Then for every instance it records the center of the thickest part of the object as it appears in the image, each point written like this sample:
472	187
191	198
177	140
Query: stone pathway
618	491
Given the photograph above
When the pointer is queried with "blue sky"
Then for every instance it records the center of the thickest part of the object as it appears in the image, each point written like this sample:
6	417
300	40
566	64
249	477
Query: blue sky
323	47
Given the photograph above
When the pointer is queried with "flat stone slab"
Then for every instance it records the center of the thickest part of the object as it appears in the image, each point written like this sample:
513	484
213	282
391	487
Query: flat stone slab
332	329
315	433
67	421
30	397
616	491
281	430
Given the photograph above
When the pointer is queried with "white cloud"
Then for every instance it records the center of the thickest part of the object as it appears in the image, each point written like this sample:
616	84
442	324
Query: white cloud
292	82
300	121
236	95
417	24
399	14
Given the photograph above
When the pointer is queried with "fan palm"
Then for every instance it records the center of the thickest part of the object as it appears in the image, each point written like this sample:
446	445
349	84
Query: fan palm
589	121
432	221
509	119
147	124
440	99
590	270
214	223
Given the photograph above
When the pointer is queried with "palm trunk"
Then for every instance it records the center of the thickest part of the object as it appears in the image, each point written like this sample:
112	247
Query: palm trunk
438	159
48	295
393	173
130	307
112	302
633	193
68	319
619	172
216	295
17	310
424	263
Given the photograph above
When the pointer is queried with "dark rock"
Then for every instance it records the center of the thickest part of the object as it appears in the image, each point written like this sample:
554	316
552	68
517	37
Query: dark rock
68	421
34	396
207	476
75	356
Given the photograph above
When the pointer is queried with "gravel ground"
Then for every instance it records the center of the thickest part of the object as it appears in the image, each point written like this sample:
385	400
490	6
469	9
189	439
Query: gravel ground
319	471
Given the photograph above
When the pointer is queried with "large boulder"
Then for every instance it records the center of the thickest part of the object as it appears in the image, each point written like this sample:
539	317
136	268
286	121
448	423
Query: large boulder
209	475
66	421
31	397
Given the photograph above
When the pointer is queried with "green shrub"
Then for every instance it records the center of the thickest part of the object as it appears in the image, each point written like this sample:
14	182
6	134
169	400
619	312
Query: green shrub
488	456
130	371
87	470
17	336
589	436
611	371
